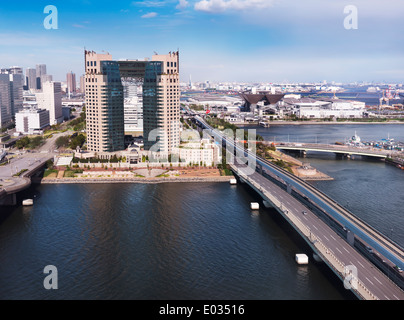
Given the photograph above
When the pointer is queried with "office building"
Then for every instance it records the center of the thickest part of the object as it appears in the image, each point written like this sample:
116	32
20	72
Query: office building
71	82
51	99
40	71
105	101
46	78
83	84
161	103
32	121
16	87
31	82
5	100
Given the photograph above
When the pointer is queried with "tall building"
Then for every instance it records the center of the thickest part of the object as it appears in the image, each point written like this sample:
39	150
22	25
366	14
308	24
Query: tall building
17	99
51	99
104	103
71	82
31	82
6	114
161	103
40	71
105	111
83	84
16	79
46	78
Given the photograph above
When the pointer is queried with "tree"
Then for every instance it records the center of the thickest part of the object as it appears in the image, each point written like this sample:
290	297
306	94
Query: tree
36	142
77	141
23	142
62	142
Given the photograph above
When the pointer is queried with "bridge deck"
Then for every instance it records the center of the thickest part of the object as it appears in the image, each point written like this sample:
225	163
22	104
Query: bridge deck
335	251
351	150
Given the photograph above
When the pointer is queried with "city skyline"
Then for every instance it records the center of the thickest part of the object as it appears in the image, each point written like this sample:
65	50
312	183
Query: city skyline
218	40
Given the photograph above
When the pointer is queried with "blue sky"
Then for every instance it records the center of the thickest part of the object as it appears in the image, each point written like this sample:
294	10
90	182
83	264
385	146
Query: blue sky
219	40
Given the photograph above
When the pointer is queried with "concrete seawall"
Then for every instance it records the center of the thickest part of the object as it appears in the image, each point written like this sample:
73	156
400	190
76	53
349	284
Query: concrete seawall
133	180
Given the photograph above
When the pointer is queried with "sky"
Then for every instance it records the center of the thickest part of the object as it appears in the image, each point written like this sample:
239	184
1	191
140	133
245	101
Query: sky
251	41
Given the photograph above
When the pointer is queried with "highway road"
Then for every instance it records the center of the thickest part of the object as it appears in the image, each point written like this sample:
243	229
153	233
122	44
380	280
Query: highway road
378	241
377	282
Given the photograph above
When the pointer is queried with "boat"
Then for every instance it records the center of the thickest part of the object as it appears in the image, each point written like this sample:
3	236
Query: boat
28	202
264	124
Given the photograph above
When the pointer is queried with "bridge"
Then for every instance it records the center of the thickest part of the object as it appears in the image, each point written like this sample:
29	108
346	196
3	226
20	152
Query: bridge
16	175
367	261
339	149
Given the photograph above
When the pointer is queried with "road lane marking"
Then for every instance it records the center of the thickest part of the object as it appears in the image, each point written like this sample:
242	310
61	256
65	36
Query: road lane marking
369	281
345	249
339	250
378	280
326	238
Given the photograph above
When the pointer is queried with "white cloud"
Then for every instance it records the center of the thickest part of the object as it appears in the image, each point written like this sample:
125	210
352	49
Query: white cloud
148	3
149	15
182	4
214	6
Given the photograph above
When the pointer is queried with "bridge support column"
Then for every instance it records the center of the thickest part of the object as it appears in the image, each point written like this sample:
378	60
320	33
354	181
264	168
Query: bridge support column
350	237
288	188
9	200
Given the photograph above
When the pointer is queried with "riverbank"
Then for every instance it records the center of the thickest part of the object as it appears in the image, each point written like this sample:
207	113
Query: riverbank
132	180
136	176
323	122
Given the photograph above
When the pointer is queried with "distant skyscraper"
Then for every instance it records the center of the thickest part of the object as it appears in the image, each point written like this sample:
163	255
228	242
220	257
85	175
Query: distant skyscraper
40	71
17	98
83	84
46	78
51	99
16	79
31	78
71	82
5	100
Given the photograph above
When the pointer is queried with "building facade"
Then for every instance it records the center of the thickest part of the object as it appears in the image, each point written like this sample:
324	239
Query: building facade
31	82
105	105
71	82
161	103
32	121
51	99
40	71
6	114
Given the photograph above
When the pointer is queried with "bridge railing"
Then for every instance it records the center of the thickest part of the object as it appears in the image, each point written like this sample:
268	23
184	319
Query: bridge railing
338	266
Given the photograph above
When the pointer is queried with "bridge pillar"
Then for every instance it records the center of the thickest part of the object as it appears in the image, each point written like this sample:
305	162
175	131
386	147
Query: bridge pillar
288	188
9	200
350	237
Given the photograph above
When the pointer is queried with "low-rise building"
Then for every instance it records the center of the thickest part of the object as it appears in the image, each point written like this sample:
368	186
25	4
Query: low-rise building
32	121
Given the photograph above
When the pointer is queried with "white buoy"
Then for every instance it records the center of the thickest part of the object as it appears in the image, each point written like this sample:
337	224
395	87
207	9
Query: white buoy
233	181
255	205
302	258
28	202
